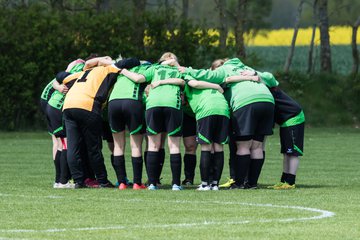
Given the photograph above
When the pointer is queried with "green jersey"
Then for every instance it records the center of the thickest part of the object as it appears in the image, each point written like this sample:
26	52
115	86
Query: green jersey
206	102
57	98
125	88
218	75
243	93
48	90
164	95
268	79
246	92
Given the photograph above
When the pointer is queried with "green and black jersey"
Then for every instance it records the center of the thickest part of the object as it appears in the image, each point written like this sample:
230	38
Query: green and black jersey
206	102
125	88
287	111
164	95
57	98
48	91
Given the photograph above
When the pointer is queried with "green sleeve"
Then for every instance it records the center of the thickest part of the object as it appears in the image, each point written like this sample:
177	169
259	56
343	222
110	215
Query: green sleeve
149	74
216	76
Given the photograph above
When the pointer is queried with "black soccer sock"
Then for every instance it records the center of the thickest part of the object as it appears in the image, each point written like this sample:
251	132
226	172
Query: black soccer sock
137	164
241	165
189	166
152	167
283	177
205	161
57	166
145	157
119	164
290	179
175	165
161	162
64	172
212	176
254	171
218	165
232	157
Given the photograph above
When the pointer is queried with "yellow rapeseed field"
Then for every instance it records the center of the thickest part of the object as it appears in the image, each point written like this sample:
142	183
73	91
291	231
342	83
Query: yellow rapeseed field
339	35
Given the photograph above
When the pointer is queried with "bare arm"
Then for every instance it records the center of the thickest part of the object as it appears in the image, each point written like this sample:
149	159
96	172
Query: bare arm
239	78
205	85
135	77
60	87
99	61
171	81
73	63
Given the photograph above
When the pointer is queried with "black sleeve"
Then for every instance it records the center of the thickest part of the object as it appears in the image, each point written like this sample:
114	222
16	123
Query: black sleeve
61	76
128	63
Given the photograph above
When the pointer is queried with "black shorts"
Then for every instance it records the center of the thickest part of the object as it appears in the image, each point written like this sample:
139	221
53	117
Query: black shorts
56	124
212	129
189	126
106	132
164	119
253	121
126	112
292	140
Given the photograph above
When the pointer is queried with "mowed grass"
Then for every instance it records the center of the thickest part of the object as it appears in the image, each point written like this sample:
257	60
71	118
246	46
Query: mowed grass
328	179
272	58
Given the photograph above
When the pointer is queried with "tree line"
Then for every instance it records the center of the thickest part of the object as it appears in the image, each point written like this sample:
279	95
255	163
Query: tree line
39	37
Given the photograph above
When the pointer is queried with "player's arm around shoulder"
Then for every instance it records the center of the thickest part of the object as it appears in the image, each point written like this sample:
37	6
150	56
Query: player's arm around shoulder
204	85
135	77
170	81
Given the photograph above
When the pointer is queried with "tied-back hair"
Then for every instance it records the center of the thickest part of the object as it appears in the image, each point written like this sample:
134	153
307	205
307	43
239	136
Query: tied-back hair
166	56
217	63
91	56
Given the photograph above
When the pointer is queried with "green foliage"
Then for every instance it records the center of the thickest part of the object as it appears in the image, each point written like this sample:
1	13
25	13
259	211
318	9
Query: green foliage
37	42
328	100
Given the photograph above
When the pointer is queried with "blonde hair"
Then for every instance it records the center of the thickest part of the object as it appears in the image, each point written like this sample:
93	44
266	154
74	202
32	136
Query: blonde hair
167	56
217	63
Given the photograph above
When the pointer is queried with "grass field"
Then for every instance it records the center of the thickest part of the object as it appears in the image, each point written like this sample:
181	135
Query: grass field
273	58
325	204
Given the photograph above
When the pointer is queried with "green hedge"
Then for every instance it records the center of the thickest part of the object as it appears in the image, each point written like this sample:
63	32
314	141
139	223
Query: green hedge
36	43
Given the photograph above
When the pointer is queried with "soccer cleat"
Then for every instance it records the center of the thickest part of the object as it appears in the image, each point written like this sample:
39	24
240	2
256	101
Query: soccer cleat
228	184
127	182
152	187
203	188
235	186
56	185
91	183
106	185
80	185
285	186
249	186
122	186
276	185
187	182
66	185
214	187
138	186
176	187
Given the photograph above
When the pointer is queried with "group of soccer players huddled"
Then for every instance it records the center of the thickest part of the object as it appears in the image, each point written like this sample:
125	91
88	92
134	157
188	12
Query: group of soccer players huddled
229	103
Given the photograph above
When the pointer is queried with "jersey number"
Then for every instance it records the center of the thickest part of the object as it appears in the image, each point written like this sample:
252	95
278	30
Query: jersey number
162	74
83	78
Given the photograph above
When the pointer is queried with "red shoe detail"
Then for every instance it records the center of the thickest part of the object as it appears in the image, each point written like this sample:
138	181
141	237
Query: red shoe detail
138	186
122	186
91	183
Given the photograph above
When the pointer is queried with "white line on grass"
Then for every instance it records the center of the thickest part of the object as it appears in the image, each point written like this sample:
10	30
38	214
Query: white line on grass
323	214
